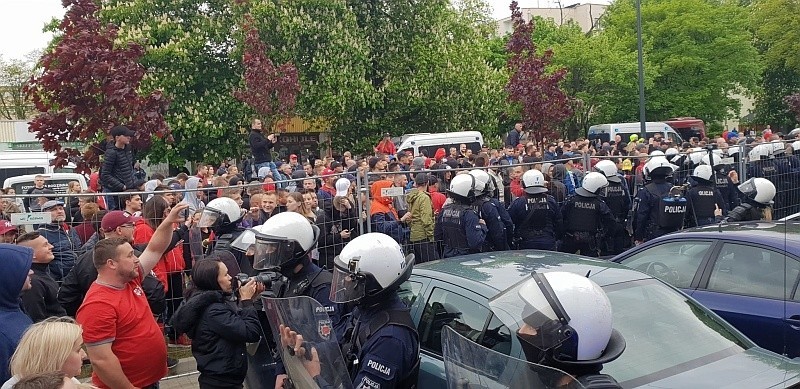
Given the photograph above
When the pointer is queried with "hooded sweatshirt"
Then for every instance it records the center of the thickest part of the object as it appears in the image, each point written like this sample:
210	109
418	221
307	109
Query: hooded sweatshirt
16	264
190	197
383	215
421	208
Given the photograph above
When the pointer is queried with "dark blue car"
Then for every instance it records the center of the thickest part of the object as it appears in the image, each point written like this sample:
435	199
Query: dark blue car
747	273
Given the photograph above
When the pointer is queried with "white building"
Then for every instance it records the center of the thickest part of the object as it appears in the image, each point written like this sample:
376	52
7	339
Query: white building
585	15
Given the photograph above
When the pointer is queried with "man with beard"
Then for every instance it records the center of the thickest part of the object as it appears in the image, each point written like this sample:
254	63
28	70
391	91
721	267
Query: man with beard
123	340
40	302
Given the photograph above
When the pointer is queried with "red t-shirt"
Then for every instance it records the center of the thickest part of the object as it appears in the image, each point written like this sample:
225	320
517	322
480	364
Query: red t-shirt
123	318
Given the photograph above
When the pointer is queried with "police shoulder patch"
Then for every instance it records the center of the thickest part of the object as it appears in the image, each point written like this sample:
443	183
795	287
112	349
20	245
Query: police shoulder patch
379	367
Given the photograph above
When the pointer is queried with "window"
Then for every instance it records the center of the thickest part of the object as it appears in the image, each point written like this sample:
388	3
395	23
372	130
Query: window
497	337
465	316
753	271
674	262
409	292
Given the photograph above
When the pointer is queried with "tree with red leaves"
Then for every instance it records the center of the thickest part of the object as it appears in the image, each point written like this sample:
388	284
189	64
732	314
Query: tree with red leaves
87	86
269	91
793	102
543	104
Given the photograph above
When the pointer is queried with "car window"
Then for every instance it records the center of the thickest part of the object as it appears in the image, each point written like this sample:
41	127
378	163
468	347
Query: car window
666	333
674	262
753	271
409	292
444	307
497	337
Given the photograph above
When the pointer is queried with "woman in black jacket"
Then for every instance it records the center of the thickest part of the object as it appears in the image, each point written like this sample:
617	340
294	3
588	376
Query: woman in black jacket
218	327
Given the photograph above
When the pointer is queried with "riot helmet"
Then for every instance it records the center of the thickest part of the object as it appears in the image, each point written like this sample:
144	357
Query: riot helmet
714	157
533	182
703	173
220	212
672	154
778	148
565	318
283	241
796	147
608	169
760	152
759	190
696	155
656	153
658	168
368	269
593	184
482	180
462	187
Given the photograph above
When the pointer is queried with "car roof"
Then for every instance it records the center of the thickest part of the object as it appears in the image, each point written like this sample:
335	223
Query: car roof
782	235
502	269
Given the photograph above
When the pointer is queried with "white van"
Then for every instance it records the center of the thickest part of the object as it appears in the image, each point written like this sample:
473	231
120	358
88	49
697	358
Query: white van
19	163
428	143
607	132
56	181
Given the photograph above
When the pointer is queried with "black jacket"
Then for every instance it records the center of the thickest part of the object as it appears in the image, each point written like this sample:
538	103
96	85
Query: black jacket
77	282
40	301
260	146
219	331
117	171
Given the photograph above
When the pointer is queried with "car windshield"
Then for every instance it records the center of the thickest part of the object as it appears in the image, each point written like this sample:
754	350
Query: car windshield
666	334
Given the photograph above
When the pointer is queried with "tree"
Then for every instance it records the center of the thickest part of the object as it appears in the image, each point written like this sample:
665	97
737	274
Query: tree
543	104
777	29
793	102
700	52
270	91
87	85
14	75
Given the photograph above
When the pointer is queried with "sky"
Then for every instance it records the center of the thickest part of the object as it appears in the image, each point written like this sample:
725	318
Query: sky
23	20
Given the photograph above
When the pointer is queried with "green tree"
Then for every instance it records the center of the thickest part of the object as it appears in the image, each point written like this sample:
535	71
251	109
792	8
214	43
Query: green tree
699	50
14	74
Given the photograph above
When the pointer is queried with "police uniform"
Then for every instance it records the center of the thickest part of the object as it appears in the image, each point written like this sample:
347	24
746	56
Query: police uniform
538	221
382	346
459	230
793	195
496	239
654	217
726	188
702	201
584	218
618	199
775	171
747	211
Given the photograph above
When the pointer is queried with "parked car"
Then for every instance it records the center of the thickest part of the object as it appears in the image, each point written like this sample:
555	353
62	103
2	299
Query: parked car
672	341
747	273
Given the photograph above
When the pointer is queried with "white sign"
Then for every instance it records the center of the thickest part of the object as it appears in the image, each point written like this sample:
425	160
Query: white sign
30	218
392	191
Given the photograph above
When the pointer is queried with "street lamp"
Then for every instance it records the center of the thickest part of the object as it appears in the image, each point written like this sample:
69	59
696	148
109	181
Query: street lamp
642	119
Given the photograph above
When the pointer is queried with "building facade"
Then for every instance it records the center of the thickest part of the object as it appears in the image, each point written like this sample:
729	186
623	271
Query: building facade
585	15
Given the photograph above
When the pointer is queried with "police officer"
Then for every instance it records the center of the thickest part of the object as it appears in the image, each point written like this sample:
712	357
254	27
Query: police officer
762	164
723	181
682	162
757	194
618	199
537	218
382	344
657	212
282	244
458	226
794	179
585	214
498	222
564	322
222	215
783	179
704	202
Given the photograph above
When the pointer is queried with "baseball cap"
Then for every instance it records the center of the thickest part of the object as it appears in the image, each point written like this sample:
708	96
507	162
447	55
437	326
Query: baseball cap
6	226
335	164
122	130
327	172
114	219
52	203
342	186
293	156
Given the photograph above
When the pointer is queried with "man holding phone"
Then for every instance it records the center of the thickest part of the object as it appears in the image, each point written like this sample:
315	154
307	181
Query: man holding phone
260	146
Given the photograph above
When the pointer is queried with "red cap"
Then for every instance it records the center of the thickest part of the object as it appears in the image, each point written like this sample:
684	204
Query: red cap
114	219
327	172
6	226
440	153
293	156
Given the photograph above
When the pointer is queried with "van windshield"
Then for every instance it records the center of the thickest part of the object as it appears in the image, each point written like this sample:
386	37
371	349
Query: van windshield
19	171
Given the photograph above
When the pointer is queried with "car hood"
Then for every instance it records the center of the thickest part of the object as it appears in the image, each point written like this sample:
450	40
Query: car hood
754	368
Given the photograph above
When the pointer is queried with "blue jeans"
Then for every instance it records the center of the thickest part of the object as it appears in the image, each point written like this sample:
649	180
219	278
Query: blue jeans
112	202
271	165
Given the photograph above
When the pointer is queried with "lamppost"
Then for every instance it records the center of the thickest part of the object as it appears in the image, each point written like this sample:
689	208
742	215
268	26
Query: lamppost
642	119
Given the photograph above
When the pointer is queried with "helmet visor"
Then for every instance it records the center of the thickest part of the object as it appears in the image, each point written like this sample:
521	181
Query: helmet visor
270	252
245	242
209	217
347	284
748	188
543	323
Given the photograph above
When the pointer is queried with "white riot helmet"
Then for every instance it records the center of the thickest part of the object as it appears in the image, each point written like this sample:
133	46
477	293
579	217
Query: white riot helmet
462	186
608	169
715	158
703	172
760	190
564	317
533	182
734	150
672	154
696	155
592	185
482	180
658	167
219	212
762	151
283	241
796	147
656	153
369	268
778	147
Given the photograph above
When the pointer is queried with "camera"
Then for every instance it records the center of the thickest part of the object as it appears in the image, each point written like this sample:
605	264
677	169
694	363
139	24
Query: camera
267	278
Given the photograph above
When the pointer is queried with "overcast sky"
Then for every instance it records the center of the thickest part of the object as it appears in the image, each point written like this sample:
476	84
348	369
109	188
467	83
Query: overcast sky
21	29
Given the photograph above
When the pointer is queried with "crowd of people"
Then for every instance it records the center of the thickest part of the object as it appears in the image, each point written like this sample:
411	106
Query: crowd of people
123	257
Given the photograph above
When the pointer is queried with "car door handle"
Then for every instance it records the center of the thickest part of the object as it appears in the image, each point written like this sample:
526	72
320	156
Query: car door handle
793	321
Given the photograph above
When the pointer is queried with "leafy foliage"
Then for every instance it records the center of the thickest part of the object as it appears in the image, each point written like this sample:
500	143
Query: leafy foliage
14	75
543	103
88	84
793	102
777	27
